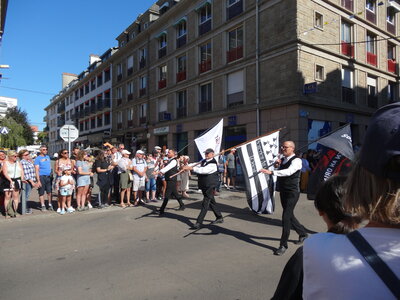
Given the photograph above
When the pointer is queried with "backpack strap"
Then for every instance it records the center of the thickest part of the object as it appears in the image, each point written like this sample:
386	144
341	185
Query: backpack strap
376	263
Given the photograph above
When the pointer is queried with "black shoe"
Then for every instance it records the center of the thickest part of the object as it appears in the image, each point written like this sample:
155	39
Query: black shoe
196	226
218	221
159	213
182	207
280	251
301	239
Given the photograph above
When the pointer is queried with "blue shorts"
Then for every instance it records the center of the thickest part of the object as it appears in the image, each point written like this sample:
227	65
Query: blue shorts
65	192
151	185
45	181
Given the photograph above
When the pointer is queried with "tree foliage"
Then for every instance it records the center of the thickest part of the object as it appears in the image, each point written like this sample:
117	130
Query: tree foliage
21	117
15	137
42	138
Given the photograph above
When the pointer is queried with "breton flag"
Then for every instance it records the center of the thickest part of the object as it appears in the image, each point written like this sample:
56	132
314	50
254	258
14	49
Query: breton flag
335	158
211	139
260	187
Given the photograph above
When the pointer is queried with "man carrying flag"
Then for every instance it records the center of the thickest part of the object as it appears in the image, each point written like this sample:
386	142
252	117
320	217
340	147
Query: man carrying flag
211	139
288	175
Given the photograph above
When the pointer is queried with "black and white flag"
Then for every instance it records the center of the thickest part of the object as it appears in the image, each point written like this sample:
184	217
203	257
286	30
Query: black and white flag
260	187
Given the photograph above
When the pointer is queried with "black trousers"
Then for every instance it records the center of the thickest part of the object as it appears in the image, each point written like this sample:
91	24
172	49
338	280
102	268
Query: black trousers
171	190
208	202
289	200
116	184
104	191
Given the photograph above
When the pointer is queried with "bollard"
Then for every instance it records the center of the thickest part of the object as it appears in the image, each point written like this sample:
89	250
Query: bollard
23	198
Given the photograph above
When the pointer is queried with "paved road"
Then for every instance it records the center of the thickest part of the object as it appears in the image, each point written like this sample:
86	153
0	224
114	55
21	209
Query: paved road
133	254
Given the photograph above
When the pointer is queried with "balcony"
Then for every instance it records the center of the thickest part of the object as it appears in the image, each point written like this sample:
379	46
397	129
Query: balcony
181	112
142	63
142	120
162	84
119	77
371	59
390	27
142	92
130	71
180	76
61	108
119	101
372	101
205	106
81	113
391	65
234	54
130	123
205	66
348	4
348	95
205	27
181	41
164	116
130	97
234	10
371	16
87	110
162	52
93	108
119	125
60	122
347	49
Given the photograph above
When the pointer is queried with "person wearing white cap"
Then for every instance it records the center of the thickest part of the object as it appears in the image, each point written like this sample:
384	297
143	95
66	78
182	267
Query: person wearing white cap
139	168
125	180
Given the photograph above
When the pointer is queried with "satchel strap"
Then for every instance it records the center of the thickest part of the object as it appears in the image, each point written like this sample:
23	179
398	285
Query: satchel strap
376	263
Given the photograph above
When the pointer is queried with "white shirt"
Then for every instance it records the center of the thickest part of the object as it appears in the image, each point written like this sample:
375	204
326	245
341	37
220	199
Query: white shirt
208	169
169	166
140	164
123	164
117	156
293	168
334	269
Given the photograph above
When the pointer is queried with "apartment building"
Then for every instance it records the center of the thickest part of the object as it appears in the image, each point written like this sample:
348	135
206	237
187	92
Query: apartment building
306	66
84	101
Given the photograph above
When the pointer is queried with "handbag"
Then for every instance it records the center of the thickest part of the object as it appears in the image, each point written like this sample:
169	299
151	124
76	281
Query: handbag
130	176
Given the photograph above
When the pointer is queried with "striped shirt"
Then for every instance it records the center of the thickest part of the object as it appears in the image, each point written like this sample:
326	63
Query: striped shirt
29	170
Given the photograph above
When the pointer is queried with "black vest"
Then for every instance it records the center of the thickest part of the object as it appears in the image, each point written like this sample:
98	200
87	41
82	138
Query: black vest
171	172
289	183
208	180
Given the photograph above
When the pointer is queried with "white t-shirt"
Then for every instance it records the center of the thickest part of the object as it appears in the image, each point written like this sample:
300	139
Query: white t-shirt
334	269
64	179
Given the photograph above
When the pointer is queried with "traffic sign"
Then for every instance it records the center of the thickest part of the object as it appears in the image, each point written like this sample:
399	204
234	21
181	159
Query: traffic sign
69	133
4	130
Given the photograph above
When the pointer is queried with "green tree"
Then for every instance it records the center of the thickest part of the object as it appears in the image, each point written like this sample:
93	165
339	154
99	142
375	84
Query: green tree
21	117
15	137
42	138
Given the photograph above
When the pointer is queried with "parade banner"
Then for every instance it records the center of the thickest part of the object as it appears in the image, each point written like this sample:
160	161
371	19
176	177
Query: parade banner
211	139
335	158
255	155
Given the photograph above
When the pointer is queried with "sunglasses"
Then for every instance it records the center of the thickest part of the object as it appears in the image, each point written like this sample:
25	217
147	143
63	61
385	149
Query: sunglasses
25	154
65	152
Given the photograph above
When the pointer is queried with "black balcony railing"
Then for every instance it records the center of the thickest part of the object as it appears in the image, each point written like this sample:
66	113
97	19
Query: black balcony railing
181	112
162	52
142	63
205	27
107	103
100	104
204	106
92	108
181	41
348	95
87	110
234	10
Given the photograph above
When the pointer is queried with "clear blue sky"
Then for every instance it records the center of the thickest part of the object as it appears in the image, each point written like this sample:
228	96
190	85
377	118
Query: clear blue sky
45	38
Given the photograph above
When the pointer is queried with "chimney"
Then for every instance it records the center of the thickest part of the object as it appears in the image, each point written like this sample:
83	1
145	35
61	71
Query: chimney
93	58
67	78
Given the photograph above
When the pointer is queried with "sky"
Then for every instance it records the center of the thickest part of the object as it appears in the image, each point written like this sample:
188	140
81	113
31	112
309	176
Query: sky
45	38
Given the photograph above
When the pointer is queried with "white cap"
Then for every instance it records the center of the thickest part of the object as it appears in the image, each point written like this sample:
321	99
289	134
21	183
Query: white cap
125	152
157	147
139	152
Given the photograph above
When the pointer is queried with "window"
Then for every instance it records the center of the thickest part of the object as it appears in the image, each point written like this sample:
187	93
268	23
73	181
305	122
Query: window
205	98
100	80
318	20
119	119
93	122
391	91
233	8
119	93
205	57
390	20
119	72
348	4
370	6
107	75
371	49
372	100
235	89
130	64
162	45
181	104
92	84
319	73
235	44
181	68
129	90
204	18
130	117
142	113
181	33
142	86
107	118
162	76
99	121
347	86
142	57
347	39
163	114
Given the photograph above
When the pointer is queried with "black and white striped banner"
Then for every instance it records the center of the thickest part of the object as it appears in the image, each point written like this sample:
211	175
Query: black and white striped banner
260	187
